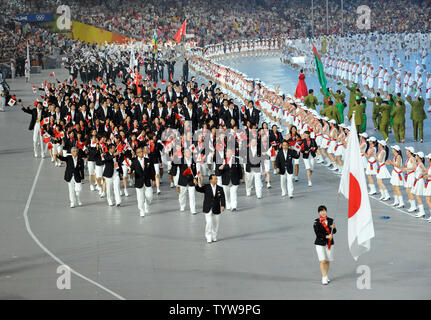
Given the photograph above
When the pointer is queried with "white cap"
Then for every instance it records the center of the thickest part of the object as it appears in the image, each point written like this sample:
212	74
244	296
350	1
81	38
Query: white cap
326	118
428	156
382	142
411	149
364	134
396	147
333	121
420	154
372	139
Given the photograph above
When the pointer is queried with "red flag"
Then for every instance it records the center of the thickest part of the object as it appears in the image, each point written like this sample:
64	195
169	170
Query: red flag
46	138
181	31
187	172
163	81
155	84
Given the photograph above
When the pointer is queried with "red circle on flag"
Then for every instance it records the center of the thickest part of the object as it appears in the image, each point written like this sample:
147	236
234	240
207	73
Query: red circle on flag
354	196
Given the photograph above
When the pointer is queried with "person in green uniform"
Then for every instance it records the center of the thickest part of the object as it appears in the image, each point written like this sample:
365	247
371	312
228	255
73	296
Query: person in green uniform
311	101
418	116
385	113
355	93
399	116
391	102
398	98
331	112
339	95
326	98
358	115
363	104
341	105
377	101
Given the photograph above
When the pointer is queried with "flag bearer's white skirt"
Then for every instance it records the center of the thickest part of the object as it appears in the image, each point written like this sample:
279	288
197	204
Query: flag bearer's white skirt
324	254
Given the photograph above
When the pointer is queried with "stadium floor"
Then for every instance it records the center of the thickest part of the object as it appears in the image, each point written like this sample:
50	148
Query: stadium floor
265	250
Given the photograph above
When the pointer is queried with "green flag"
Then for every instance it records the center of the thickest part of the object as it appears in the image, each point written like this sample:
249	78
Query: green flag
320	71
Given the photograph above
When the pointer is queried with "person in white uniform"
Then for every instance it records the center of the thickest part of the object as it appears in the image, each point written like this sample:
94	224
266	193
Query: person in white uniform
214	204
144	172
324	228
73	175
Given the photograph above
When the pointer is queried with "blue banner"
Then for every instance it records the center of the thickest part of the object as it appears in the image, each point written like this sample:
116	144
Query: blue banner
40	17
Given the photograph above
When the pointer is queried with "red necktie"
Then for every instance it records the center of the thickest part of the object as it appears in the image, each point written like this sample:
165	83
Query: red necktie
322	221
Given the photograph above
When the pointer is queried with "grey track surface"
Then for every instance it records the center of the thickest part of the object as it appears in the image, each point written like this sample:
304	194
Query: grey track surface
265	250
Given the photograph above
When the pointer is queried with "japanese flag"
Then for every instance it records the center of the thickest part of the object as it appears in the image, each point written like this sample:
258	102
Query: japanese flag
353	186
12	102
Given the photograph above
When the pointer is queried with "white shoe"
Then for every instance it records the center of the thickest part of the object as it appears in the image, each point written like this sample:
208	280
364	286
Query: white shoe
209	241
310	184
126	193
43	156
121	193
182	209
324	281
296	179
91	187
35	155
110	204
172	185
412	209
158	191
283	194
80	203
102	195
268	186
142	213
52	159
214	239
72	205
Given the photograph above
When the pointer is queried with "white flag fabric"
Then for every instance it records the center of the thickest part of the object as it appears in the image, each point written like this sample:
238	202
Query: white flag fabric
132	62
353	186
28	65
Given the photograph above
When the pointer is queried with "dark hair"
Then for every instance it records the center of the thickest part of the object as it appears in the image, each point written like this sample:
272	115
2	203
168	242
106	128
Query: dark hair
211	176
386	153
321	208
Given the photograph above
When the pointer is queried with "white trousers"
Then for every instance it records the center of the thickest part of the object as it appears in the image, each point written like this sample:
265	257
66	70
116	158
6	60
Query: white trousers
249	176
2	103
183	201
113	183
286	181
144	196
230	193
74	191
37	139
211	226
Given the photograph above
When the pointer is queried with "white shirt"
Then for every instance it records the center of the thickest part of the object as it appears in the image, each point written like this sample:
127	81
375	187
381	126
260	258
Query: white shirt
142	162
214	188
75	161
